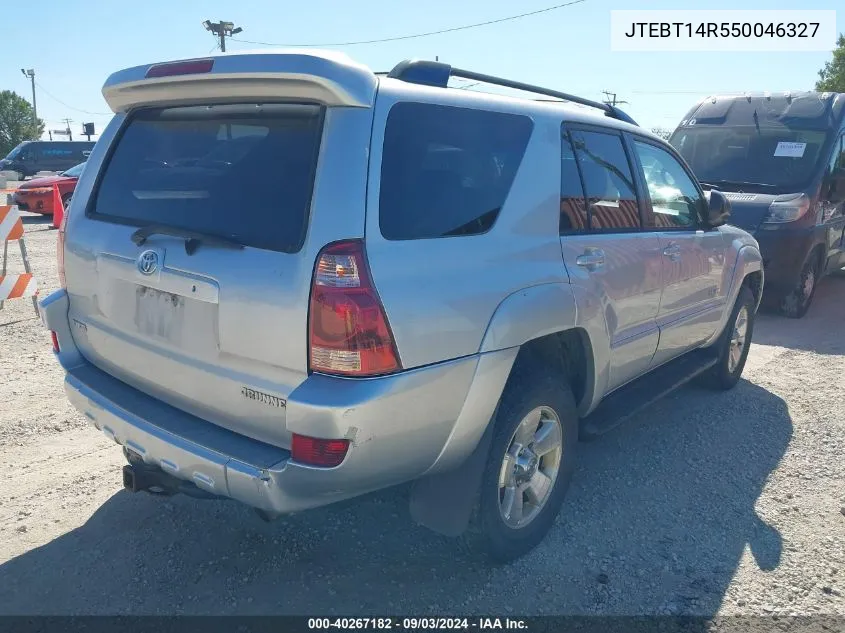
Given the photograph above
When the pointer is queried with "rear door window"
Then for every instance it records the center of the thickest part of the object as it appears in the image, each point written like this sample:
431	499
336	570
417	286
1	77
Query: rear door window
447	171
242	172
608	183
573	207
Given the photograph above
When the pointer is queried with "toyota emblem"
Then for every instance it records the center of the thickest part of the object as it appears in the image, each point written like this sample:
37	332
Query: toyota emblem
148	262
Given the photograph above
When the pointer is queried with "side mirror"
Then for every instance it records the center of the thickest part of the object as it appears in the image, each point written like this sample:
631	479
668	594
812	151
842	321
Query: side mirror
718	209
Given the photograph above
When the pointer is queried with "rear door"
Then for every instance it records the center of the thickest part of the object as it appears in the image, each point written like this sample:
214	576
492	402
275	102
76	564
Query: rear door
216	326
694	286
605	248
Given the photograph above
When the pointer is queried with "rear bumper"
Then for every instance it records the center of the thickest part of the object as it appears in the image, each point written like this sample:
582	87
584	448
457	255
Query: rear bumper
400	427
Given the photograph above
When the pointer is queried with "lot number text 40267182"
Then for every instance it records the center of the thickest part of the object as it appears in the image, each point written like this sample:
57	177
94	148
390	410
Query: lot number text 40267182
418	624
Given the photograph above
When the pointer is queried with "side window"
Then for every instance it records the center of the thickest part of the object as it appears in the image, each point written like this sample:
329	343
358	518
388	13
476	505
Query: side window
837	158
611	197
27	154
447	171
675	200
573	207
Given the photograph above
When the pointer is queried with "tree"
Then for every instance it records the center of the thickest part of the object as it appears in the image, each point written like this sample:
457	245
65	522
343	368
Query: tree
832	76
662	132
16	123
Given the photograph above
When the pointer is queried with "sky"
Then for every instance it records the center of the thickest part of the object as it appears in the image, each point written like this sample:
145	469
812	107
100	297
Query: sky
73	48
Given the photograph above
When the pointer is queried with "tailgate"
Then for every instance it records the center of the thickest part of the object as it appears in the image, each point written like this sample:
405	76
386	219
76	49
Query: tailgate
189	271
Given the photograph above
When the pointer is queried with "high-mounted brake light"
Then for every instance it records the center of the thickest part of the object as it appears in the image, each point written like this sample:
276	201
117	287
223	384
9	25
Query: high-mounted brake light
348	331
192	67
315	451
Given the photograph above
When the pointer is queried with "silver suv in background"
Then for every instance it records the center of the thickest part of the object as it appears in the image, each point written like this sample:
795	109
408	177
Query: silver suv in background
289	281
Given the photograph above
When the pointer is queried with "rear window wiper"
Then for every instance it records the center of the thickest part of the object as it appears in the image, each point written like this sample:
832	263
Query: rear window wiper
193	239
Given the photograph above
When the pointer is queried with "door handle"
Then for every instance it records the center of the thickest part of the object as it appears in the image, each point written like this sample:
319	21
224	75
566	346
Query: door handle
673	252
592	258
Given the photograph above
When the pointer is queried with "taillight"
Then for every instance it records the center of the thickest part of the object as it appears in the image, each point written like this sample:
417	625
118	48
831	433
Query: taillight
55	339
348	332
315	451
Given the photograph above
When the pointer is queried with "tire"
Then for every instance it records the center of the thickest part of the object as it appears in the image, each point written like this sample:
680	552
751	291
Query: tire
727	371
797	302
66	200
545	395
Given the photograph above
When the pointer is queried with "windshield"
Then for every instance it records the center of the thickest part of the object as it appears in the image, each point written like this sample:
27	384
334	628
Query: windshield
14	153
779	157
74	172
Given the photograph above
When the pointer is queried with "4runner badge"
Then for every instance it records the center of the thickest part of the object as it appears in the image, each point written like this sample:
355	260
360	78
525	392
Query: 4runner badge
264	398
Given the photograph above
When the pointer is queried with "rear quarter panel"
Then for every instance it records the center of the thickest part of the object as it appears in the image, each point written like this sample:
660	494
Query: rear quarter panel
440	294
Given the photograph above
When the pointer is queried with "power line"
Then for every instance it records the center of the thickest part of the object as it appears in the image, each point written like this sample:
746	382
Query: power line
55	98
416	35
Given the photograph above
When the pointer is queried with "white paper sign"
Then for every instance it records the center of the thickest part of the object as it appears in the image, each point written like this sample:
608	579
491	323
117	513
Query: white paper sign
790	150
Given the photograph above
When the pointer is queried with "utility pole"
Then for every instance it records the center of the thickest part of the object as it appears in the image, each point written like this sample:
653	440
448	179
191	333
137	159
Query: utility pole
69	133
222	30
31	74
611	98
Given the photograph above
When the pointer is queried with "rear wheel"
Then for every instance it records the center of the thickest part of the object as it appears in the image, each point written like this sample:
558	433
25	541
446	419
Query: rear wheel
796	303
735	343
530	465
66	200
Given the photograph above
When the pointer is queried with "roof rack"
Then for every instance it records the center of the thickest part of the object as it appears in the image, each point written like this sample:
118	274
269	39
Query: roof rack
437	74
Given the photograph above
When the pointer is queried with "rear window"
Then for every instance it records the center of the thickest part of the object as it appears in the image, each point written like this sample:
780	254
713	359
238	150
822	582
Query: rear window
242	172
447	171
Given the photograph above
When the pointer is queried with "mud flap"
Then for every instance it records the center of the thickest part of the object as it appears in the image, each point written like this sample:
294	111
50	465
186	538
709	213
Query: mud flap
444	502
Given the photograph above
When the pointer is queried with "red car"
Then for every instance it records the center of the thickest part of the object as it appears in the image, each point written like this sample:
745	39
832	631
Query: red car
36	195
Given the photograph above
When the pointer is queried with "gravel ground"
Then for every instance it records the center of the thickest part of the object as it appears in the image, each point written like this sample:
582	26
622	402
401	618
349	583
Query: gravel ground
705	504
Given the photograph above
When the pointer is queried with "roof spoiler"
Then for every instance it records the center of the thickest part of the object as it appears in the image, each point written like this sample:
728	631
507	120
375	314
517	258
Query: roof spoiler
314	76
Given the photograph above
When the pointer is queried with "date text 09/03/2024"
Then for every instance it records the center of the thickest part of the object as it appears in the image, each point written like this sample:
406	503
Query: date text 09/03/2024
417	624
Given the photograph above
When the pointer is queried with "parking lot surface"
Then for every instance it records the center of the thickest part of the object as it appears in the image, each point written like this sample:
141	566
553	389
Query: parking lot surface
728	503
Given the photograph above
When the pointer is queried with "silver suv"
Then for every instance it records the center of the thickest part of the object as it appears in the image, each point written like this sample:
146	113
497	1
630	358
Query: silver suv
288	280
